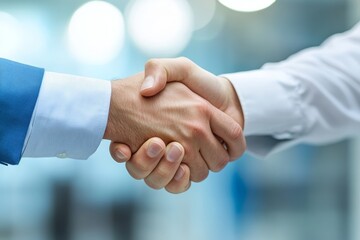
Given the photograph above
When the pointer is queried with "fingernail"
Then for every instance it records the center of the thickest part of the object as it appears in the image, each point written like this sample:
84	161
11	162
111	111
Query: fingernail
148	83
121	156
173	154
154	150
179	173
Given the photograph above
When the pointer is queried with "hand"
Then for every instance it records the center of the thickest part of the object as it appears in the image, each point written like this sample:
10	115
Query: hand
150	163
217	90
176	114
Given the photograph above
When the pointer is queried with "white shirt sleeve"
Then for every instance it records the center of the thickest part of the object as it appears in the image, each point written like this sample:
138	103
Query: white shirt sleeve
313	97
70	117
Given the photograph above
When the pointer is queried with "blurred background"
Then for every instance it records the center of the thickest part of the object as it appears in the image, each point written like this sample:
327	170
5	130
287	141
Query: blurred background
305	193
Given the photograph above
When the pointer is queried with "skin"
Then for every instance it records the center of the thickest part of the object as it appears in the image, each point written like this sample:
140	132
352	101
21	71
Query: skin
184	121
216	90
147	166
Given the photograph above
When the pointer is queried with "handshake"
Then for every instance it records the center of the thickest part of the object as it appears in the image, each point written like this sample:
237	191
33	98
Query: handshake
178	122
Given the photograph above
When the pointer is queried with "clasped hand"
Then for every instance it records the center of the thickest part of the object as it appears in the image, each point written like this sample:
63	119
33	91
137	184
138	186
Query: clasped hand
173	123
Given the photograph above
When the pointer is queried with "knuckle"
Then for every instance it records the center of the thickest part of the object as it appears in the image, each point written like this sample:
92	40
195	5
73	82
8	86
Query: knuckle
185	60
187	64
201	176
189	155
137	170
162	174
220	165
196	131
133	174
152	63
236	132
141	167
153	185
203	108
240	151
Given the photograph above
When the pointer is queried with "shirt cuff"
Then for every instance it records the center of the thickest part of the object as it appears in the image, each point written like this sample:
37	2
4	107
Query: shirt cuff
69	118
270	101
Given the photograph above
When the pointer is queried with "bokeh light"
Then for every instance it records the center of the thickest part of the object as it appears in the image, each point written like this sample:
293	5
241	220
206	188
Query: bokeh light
96	33
247	5
161	27
10	35
204	11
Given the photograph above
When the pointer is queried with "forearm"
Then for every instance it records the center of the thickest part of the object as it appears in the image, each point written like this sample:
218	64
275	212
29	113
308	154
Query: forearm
313	97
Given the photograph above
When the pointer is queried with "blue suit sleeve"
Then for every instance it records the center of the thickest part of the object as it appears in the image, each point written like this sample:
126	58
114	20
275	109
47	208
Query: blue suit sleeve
19	89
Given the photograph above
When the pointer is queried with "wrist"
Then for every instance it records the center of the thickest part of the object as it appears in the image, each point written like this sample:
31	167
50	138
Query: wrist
125	113
113	130
233	106
109	124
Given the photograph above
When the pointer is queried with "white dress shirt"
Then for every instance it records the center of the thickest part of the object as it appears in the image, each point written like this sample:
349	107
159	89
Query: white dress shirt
313	97
70	117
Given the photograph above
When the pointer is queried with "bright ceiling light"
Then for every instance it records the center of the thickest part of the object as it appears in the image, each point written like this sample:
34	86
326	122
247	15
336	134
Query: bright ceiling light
247	5
10	35
96	33
162	27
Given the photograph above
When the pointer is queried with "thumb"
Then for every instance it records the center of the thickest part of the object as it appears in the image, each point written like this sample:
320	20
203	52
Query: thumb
155	78
120	152
159	72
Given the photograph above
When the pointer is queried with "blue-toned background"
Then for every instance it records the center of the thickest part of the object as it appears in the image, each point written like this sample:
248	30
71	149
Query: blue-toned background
305	193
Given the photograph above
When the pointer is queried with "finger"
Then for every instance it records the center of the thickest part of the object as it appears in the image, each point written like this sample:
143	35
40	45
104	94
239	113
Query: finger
199	169
158	72
214	153
144	161
167	167
241	148
120	152
229	130
181	181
